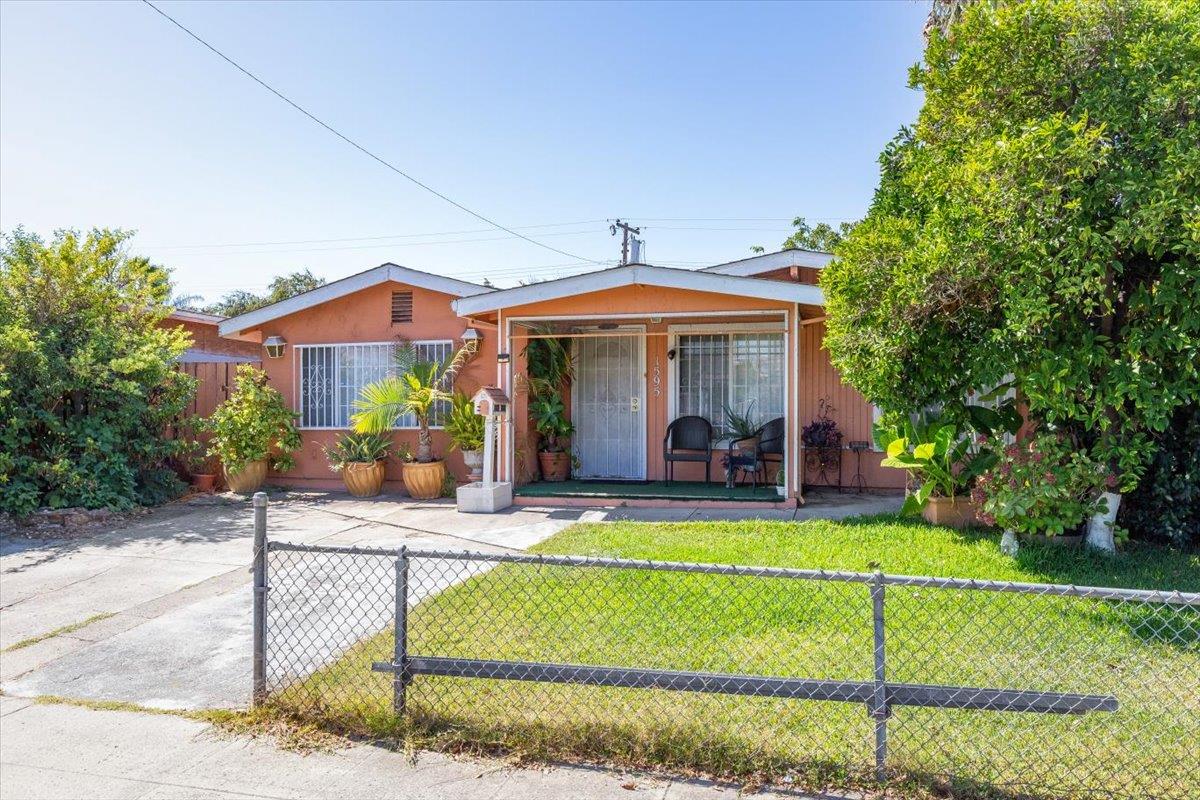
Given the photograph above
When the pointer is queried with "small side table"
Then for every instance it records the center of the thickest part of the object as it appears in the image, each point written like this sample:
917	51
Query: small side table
859	482
825	465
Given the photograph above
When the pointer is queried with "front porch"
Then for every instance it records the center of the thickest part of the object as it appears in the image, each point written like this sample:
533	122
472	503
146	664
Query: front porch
689	492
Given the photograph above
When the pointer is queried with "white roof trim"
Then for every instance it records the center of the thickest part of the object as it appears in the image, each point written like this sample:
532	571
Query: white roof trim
756	265
340	288
646	275
194	316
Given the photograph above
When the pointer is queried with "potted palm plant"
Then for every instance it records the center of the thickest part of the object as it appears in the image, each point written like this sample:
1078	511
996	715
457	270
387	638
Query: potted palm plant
360	458
549	370
252	430
418	388
466	430
551	423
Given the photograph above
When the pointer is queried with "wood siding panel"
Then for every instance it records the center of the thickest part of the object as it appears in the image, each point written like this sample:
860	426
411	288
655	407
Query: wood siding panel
853	414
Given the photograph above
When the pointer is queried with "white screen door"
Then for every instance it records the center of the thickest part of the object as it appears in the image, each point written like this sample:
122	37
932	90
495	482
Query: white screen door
608	399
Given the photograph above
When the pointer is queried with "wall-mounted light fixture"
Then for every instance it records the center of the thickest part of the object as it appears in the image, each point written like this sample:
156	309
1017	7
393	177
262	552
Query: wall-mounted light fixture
671	354
470	339
275	346
503	358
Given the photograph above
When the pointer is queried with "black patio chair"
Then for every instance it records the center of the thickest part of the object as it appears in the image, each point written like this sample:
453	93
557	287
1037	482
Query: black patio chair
768	446
693	435
770	443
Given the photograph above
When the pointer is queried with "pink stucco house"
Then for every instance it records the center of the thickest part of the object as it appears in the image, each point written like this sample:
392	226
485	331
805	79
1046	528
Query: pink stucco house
651	344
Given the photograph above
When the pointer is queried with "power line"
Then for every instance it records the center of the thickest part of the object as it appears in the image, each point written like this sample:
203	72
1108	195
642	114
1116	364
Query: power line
366	238
388	245
355	144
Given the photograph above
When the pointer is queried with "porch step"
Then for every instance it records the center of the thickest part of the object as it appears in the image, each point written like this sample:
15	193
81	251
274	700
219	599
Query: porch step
692	491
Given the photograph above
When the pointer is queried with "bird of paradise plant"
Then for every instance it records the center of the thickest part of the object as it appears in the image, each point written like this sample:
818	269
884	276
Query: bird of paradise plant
416	388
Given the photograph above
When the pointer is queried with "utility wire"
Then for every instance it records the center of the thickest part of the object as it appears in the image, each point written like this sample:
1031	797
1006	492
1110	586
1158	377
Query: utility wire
366	238
355	144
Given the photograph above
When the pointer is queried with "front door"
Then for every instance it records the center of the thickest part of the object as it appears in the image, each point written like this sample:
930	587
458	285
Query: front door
608	399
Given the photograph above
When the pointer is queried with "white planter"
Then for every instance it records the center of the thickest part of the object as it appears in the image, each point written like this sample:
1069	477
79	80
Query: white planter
473	459
781	491
479	498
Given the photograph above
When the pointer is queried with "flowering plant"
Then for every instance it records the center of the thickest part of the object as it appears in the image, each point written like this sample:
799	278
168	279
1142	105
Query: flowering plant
1041	485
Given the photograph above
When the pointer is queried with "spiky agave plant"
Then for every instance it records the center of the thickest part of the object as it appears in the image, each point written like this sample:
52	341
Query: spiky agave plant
416	388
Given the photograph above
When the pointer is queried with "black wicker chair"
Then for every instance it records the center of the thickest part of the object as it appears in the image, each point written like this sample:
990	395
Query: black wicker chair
768	446
770	443
690	434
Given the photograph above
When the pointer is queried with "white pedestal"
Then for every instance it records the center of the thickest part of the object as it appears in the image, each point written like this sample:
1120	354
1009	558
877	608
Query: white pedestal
479	498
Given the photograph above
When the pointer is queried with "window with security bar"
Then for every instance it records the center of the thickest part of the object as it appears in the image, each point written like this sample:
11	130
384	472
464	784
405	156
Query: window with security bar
741	371
333	375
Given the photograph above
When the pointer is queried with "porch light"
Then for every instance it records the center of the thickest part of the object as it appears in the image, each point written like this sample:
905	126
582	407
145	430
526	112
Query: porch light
503	358
275	346
470	335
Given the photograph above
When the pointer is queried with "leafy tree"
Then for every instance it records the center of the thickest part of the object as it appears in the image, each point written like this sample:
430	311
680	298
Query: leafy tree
87	380
240	301
1040	220
821	237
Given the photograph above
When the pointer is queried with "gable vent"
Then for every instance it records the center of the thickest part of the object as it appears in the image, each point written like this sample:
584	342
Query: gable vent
401	307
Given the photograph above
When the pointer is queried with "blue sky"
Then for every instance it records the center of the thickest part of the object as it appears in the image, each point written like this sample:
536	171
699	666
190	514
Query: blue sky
711	125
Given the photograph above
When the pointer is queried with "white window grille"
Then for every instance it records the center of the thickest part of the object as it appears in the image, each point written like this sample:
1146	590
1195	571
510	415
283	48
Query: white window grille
741	371
333	375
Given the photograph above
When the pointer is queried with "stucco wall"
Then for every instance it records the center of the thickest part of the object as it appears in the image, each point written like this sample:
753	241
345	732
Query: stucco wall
365	316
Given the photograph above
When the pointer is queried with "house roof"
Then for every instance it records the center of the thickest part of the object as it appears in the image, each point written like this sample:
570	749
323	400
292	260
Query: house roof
642	275
340	288
188	315
756	265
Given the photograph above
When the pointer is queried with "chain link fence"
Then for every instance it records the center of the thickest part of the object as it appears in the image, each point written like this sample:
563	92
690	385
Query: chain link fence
818	678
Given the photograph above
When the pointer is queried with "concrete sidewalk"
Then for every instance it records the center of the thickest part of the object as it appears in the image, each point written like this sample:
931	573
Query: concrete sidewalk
58	751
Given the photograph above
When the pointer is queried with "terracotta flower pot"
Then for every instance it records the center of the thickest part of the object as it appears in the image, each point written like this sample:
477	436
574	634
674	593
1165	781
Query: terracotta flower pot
953	512
473	460
363	479
249	478
555	466
204	481
424	480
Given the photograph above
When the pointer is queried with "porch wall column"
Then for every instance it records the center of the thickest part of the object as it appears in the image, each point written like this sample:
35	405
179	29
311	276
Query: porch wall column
794	455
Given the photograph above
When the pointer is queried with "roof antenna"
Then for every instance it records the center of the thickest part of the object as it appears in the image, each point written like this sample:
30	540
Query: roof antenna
627	229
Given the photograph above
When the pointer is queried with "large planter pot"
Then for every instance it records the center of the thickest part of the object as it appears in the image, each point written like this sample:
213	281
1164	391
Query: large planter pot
953	512
249	478
424	480
555	466
204	481
363	479
473	459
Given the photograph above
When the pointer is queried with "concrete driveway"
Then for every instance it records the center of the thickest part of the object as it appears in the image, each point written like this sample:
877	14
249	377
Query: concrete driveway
169	595
167	600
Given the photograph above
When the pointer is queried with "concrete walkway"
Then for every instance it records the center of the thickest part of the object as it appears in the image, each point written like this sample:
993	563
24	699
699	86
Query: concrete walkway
67	752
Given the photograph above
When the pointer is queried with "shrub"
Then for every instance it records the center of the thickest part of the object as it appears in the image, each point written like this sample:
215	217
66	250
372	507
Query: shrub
87	377
358	448
464	427
1043	485
1166	504
253	424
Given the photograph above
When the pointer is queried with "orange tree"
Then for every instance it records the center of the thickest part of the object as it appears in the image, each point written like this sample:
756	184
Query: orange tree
1040	220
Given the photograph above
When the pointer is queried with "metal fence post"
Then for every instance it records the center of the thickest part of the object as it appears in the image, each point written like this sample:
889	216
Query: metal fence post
400	676
879	704
259	693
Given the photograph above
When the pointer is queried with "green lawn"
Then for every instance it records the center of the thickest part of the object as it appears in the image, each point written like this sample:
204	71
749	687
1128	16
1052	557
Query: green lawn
1147	657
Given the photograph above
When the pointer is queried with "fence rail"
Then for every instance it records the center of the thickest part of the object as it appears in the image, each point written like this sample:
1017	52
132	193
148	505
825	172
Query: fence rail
1029	689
